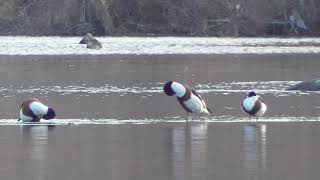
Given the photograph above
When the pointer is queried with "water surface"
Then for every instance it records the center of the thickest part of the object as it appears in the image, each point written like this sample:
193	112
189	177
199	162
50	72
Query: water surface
114	122
161	151
132	89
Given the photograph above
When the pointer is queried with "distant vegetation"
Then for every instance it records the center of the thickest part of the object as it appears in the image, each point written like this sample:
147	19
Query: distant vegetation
160	17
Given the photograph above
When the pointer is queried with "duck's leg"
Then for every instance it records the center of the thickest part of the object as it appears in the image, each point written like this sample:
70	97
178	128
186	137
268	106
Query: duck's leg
191	117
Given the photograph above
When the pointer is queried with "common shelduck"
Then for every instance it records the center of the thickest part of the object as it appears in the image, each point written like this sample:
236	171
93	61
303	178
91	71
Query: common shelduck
189	99
91	42
254	105
32	110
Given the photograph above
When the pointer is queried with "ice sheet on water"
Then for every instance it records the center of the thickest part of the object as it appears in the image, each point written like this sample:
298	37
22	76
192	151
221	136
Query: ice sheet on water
21	45
217	119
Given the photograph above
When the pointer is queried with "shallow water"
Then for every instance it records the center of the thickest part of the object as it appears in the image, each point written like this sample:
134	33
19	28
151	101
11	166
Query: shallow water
161	151
114	122
132	89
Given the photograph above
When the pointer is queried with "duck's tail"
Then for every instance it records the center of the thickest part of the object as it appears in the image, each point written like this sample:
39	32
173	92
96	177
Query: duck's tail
209	110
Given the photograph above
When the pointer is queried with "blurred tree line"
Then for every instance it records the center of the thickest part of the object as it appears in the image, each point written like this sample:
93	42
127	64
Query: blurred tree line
160	17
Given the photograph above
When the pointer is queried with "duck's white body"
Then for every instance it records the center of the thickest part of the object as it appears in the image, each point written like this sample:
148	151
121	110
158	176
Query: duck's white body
196	105
190	100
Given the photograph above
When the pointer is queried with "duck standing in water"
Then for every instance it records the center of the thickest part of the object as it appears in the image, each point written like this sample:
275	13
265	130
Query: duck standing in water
32	110
254	105
91	42
189	99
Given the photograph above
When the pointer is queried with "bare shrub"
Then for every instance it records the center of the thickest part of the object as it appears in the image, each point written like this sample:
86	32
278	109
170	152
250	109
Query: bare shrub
159	17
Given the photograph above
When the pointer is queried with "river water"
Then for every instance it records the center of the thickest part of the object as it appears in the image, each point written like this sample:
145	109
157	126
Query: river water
114	122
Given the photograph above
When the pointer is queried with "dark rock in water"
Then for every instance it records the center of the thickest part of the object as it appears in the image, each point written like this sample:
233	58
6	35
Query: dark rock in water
91	42
311	85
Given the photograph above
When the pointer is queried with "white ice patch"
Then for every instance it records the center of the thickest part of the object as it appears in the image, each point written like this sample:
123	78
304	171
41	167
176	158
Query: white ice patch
21	45
218	119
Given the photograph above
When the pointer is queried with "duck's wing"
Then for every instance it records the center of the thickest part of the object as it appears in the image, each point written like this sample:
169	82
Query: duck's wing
183	105
194	92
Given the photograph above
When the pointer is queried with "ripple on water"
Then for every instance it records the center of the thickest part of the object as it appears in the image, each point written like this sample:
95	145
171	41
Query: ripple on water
263	87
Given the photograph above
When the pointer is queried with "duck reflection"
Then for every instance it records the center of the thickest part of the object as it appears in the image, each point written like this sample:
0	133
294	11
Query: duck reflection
189	145
254	147
35	144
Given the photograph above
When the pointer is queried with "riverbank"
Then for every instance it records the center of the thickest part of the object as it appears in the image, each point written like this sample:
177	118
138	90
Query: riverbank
158	17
